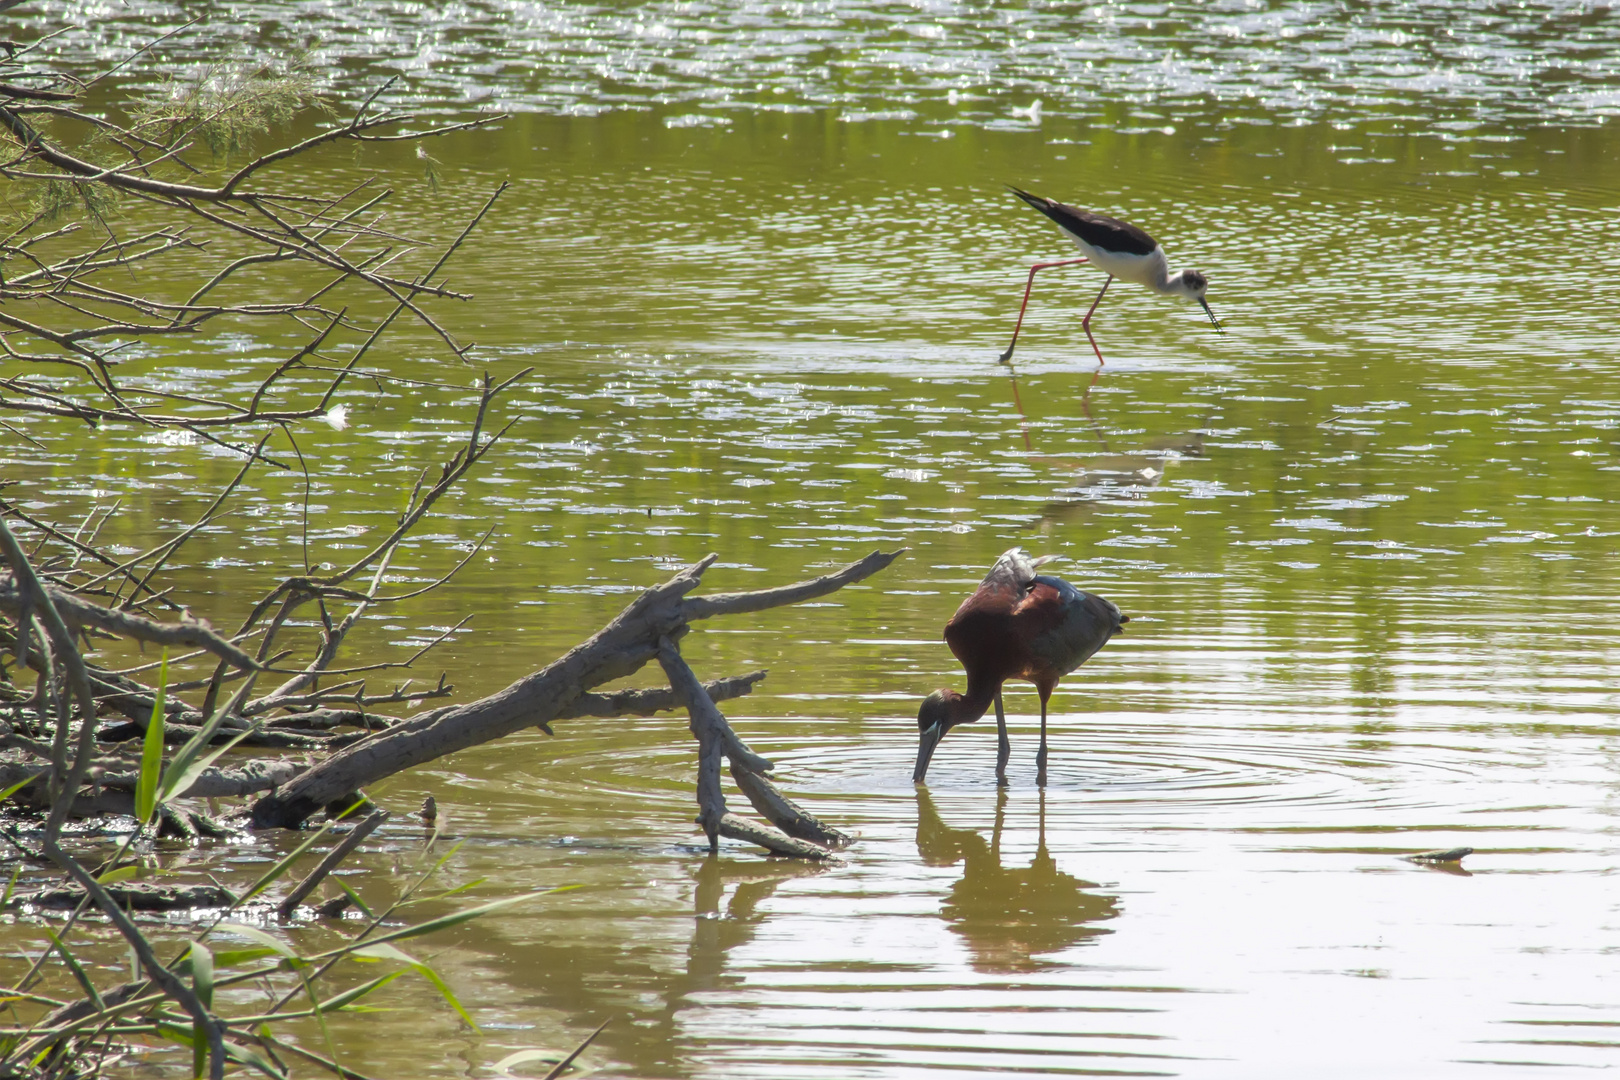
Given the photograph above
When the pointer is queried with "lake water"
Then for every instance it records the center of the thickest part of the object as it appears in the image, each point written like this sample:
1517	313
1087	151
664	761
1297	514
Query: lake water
762	261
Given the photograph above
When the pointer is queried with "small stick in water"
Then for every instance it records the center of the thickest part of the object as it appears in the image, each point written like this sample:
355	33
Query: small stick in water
1450	855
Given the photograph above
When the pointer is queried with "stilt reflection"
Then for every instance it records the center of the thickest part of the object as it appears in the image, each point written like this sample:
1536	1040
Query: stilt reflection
1104	475
1009	916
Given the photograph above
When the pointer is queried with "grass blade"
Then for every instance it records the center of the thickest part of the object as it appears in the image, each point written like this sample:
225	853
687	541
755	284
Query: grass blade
385	951
350	996
354	897
253	1059
578	1050
523	1057
320	1016
202	981
281	867
232	957
456	918
85	984
202	973
19	785
113	877
146	785
181	779
180	766
253	933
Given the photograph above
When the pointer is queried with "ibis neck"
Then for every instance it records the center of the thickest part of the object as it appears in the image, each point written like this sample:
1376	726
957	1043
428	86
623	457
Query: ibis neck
968	707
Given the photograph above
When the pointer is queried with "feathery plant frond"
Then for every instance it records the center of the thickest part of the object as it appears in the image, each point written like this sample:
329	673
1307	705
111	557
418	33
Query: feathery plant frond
225	106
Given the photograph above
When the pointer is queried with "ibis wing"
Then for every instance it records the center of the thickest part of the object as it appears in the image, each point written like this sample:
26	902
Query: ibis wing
1066	625
1015	570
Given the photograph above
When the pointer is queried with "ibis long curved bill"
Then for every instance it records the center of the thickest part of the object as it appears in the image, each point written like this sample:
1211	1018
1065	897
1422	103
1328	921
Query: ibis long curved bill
927	739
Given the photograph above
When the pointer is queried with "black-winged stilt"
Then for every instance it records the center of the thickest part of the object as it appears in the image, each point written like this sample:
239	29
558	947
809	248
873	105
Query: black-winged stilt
1118	249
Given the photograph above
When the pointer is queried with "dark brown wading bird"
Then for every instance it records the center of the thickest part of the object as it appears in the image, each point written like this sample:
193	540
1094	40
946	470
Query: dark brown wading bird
1017	625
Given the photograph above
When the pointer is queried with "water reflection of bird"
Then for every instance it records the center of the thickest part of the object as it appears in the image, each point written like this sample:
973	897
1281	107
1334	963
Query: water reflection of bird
1009	915
1119	250
1114	475
1016	625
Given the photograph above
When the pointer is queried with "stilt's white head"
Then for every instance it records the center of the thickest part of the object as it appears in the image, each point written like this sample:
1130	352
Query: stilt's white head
1192	284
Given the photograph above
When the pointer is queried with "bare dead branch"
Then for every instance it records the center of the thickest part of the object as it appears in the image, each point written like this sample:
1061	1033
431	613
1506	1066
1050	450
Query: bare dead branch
621	647
703	607
331	862
78	613
783	812
647	702
734	827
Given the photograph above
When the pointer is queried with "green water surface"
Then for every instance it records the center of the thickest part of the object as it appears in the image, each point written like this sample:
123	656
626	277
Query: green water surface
1366	537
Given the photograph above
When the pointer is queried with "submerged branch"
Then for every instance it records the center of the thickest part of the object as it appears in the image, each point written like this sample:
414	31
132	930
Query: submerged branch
625	644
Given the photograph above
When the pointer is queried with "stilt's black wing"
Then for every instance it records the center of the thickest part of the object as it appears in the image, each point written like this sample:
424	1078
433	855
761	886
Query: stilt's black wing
1098	230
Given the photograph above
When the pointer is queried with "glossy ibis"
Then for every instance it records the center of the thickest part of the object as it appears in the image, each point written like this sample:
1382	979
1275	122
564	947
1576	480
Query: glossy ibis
1017	625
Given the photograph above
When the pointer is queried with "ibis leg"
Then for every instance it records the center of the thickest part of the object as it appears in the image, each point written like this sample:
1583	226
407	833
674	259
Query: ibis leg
1006	357
1085	324
995	833
1040	755
1003	744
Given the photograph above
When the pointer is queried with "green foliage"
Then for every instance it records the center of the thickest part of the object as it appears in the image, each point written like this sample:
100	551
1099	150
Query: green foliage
226	106
189	761
65	199
77	969
146	785
18	786
385	951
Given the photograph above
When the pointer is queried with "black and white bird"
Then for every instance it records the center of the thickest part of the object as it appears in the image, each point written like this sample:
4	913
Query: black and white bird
1120	250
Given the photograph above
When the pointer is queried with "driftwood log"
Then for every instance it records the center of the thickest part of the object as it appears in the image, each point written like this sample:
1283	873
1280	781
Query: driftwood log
648	629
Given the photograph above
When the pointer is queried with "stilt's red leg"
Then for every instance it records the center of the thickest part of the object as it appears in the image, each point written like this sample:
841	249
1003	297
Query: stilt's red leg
1085	324
1006	357
1023	421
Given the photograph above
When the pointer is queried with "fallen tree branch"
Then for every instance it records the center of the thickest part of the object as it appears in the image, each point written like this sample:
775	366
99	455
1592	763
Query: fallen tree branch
715	738
733	827
628	642
77	614
705	716
356	835
656	700
213	783
784	813
137	897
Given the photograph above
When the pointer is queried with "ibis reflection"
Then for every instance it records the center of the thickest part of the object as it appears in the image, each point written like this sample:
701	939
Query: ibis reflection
1009	916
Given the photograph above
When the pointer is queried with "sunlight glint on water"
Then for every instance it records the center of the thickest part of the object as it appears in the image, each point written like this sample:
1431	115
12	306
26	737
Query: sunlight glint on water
1366	538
